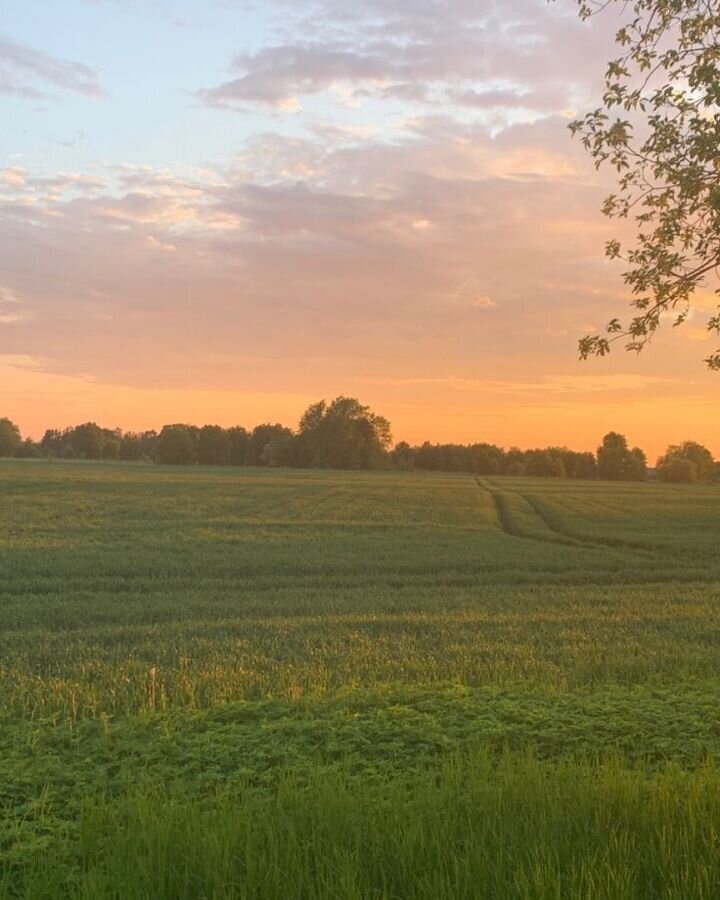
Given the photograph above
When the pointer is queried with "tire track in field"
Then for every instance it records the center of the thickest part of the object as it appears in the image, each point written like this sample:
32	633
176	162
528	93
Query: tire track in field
547	517
556	533
502	511
510	527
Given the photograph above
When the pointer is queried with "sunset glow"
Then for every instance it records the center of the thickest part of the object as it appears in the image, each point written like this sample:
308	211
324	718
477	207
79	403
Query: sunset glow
221	212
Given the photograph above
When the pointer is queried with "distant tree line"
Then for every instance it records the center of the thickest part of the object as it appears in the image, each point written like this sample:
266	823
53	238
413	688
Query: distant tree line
344	434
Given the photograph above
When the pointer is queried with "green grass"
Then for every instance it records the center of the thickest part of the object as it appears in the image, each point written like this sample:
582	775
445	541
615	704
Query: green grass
223	683
476	828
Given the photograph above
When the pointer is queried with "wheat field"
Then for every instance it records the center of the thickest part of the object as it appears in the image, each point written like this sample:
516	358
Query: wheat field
221	683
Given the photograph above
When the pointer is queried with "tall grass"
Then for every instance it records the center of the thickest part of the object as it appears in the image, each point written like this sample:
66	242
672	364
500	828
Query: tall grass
477	830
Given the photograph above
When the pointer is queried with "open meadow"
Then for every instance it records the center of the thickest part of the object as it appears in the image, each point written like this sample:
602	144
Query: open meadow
271	685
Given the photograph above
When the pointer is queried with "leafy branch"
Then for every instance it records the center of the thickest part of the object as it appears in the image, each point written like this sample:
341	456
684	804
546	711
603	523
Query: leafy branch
659	128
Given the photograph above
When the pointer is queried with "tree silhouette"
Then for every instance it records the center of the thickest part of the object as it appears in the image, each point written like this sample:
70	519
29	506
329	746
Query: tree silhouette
176	446
10	440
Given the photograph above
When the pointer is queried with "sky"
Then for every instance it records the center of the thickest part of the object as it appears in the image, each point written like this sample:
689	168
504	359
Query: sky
220	211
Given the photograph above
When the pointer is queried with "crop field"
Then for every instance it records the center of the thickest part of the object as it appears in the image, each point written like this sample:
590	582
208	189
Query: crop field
274	685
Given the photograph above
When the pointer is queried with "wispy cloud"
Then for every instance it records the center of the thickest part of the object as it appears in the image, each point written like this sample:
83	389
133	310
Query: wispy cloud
569	384
22	361
33	74
10	307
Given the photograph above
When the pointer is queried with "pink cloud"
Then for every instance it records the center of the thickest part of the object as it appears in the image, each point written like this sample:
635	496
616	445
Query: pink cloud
27	72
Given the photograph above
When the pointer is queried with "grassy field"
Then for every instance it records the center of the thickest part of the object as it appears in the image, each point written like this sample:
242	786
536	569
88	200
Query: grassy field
221	683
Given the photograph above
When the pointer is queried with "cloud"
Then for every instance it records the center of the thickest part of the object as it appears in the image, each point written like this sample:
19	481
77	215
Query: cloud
9	303
484	302
8	296
29	73
22	361
276	75
570	383
155	244
521	98
355	252
13	176
482	56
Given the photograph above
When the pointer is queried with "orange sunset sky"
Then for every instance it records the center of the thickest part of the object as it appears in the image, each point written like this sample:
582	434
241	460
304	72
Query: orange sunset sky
219	212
